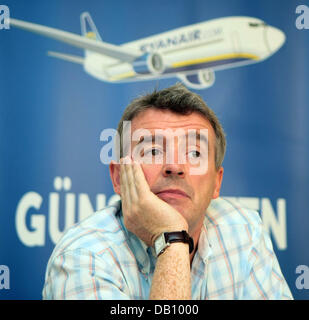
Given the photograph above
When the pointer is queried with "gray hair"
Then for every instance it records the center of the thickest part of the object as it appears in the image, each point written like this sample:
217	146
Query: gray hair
177	99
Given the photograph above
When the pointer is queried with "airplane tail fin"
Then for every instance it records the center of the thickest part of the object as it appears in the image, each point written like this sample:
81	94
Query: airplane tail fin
88	27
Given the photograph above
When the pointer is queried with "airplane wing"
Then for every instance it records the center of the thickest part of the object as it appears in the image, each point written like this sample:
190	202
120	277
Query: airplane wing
67	57
76	40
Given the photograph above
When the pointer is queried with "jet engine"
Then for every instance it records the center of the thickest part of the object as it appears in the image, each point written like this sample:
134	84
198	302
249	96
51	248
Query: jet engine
201	80
149	63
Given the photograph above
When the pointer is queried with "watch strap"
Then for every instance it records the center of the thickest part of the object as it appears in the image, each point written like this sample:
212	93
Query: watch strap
179	236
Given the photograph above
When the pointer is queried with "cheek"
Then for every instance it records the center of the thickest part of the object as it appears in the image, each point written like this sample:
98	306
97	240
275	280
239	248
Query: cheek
151	172
204	184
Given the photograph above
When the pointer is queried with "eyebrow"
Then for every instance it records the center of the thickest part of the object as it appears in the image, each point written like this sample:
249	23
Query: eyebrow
152	138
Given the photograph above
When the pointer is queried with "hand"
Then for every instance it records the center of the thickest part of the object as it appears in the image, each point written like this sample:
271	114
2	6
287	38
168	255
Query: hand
145	214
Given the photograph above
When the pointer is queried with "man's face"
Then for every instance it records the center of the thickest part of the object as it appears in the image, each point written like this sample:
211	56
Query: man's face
174	183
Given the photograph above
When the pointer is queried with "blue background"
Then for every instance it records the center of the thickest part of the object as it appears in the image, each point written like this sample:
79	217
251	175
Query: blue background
52	114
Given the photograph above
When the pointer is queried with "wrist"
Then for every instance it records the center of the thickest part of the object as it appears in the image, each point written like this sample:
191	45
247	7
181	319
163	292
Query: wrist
166	230
165	239
179	248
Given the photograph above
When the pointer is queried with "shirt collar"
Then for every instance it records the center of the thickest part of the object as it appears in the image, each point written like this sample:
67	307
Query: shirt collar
144	254
204	247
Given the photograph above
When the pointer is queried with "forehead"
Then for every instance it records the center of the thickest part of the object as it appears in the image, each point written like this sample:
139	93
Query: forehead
152	119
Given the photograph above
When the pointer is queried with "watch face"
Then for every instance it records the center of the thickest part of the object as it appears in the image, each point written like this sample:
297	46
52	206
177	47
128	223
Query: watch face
160	244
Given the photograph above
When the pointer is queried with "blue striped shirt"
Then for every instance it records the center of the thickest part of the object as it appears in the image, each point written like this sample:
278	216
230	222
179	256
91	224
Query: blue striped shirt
100	259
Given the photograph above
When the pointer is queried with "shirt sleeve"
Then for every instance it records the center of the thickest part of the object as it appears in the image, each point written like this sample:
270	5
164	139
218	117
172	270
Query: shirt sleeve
265	279
82	275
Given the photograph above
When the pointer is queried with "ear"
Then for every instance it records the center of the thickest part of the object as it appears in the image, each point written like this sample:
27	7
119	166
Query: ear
218	182
114	171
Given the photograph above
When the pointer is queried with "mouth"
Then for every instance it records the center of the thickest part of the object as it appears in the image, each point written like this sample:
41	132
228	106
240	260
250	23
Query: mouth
172	193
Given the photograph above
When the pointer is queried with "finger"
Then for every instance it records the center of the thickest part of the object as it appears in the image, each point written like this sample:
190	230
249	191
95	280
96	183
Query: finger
124	190
141	184
128	168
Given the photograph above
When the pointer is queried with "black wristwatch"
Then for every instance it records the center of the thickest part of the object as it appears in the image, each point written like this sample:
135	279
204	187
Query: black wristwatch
166	238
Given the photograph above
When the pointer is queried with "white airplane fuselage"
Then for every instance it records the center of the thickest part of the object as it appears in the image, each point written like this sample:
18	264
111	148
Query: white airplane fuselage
192	53
186	52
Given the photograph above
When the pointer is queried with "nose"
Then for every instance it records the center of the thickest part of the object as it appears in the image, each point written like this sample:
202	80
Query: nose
275	38
173	170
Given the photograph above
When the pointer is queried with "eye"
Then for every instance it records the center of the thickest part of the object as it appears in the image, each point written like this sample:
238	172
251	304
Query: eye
194	154
154	152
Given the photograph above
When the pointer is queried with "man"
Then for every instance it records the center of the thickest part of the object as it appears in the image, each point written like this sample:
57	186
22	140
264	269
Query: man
171	236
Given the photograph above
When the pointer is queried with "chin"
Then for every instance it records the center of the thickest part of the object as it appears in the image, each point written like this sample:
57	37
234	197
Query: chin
176	203
180	207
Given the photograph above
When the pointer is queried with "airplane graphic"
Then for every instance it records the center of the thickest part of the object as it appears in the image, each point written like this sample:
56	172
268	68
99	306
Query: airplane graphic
192	53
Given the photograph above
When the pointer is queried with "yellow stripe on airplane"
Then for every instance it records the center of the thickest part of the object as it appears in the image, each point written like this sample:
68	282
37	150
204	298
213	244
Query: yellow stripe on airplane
122	76
192	62
215	58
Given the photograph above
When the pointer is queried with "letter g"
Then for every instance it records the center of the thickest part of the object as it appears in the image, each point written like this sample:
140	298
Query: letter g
37	222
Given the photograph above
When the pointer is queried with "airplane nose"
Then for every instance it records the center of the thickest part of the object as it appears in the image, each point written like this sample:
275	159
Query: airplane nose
275	38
